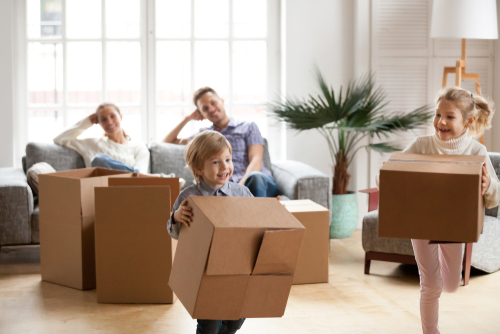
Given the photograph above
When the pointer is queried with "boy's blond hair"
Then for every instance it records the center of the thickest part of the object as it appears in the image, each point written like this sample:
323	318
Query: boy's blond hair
201	148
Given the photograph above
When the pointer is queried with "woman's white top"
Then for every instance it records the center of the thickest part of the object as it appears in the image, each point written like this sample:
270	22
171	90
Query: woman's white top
463	145
132	154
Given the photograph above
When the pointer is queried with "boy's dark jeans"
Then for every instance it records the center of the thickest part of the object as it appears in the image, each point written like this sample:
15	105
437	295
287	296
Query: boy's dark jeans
218	326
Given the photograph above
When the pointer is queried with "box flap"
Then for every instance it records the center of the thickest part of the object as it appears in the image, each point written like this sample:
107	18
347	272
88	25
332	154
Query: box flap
266	296
248	212
221	297
279	252
191	258
303	205
240	223
110	172
133	249
59	192
234	251
172	182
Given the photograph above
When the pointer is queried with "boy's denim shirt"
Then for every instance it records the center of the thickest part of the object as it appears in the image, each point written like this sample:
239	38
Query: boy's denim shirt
202	189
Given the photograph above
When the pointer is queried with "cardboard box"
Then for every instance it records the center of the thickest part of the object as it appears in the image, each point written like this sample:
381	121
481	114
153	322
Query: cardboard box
312	266
66	204
134	252
431	197
237	259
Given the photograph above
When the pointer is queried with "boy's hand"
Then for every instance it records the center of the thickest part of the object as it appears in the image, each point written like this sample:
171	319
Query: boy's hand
485	180
183	214
279	198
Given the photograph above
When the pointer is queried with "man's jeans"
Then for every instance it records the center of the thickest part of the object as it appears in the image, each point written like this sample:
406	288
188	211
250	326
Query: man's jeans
261	185
105	161
218	326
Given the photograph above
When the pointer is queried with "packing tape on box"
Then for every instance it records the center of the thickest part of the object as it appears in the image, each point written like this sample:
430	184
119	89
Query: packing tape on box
441	162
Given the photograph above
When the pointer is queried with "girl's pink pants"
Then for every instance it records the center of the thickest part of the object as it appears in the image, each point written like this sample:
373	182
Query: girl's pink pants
440	269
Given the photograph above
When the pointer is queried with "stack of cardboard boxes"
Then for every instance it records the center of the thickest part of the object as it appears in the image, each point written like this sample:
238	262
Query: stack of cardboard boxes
238	258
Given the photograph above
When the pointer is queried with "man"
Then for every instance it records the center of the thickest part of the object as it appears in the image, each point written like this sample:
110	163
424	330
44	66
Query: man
245	138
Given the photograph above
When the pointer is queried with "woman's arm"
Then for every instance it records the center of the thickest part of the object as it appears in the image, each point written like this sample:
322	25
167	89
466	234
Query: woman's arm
73	132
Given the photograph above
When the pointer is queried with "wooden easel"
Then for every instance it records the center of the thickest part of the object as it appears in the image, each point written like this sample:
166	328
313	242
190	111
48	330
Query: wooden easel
460	75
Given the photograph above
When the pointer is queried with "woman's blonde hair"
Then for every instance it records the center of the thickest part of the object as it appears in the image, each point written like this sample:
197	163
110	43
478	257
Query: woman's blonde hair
470	105
201	148
114	106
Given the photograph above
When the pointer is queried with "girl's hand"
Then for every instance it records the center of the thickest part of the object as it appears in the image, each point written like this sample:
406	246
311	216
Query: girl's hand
485	180
183	214
93	119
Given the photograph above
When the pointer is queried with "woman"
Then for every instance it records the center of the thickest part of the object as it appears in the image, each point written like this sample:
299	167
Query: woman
114	150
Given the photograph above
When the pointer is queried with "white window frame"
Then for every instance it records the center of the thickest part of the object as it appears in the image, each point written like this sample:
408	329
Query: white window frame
147	39
273	48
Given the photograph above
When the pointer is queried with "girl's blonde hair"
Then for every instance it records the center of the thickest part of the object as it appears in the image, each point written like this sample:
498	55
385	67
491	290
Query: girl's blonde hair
114	106
470	105
201	148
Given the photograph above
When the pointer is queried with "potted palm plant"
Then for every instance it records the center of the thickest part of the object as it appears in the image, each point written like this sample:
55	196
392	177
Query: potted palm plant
344	121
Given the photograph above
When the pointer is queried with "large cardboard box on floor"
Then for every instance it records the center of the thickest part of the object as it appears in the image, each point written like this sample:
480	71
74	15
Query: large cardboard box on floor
237	259
134	252
431	197
312	266
66	204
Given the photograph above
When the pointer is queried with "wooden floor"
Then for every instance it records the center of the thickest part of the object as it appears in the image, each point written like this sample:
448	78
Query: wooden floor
386	301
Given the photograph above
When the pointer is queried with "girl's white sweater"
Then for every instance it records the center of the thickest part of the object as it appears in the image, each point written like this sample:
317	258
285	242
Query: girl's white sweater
132	154
463	145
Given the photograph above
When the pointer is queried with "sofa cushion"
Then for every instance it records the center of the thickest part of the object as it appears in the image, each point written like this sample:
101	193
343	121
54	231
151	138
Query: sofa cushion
59	157
169	158
34	171
486	252
16	206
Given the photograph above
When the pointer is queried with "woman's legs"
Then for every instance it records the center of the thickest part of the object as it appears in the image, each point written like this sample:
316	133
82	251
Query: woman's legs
105	161
439	266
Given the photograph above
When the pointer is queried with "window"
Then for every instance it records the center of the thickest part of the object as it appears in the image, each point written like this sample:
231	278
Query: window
148	57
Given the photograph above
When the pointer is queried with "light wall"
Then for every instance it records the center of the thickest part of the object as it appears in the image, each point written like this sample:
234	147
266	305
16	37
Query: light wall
6	84
334	35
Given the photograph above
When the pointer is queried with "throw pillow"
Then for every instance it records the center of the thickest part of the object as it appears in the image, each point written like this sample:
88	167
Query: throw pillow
34	171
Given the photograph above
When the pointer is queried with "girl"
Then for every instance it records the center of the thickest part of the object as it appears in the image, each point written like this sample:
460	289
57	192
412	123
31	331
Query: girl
114	150
460	116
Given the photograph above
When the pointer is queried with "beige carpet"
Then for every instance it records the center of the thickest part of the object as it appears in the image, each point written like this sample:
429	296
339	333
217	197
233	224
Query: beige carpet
386	301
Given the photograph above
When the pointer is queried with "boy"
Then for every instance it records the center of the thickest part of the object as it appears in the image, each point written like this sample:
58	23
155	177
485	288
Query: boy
208	156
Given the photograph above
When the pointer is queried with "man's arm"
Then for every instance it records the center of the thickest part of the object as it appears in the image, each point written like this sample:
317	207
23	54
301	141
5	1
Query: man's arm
255	154
172	136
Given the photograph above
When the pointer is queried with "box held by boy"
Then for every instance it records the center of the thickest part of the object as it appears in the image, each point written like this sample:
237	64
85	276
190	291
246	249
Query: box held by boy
237	258
431	197
134	253
312	266
67	253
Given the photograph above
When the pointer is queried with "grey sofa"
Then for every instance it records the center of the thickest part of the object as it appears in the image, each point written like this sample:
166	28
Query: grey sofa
485	253
19	212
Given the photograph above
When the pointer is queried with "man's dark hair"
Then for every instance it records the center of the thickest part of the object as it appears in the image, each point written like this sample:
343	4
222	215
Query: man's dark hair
202	91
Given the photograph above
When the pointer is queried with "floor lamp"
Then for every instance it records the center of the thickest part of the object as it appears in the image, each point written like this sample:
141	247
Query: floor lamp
465	19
